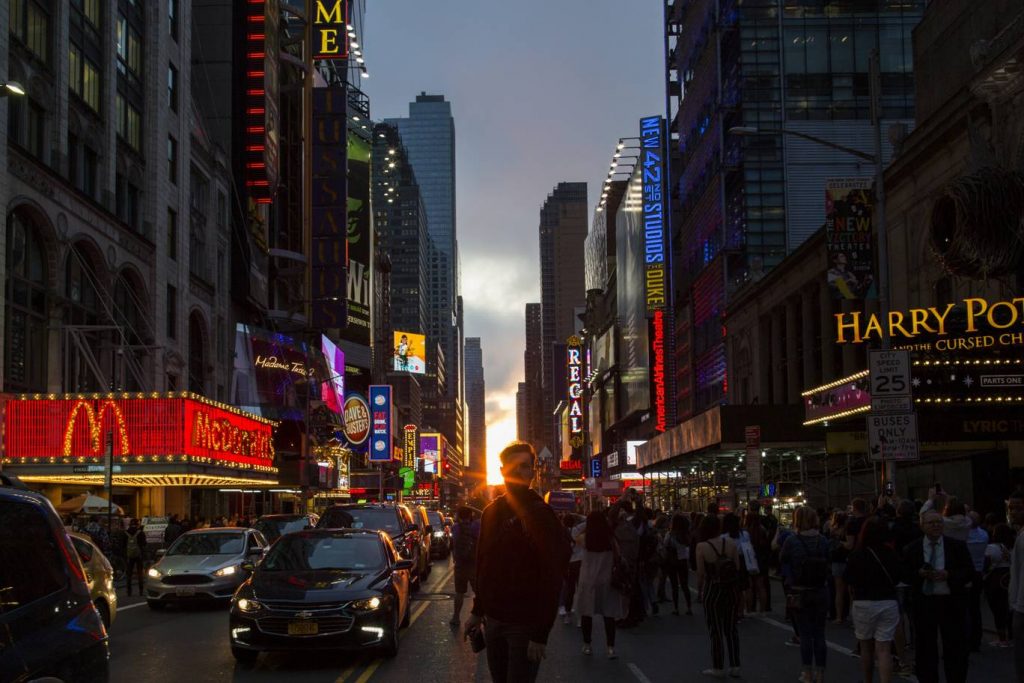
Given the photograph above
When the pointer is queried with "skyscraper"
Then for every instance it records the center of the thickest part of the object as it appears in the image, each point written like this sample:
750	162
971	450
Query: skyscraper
477	418
563	231
532	386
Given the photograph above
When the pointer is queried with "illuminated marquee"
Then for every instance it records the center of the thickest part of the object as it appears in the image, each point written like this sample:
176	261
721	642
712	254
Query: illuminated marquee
857	327
411	444
653	163
657	357
574	377
182	427
330	29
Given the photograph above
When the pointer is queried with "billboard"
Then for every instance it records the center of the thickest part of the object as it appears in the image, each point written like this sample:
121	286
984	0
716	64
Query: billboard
848	234
410	352
360	249
332	391
652	163
270	373
329	242
430	452
330	29
574	382
410	446
380	423
633	351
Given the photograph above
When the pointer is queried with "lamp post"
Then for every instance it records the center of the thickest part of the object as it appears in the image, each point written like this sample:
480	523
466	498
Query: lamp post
881	239
11	88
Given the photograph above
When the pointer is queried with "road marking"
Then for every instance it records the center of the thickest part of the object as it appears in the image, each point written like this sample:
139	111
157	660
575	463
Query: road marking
788	628
372	667
127	607
638	673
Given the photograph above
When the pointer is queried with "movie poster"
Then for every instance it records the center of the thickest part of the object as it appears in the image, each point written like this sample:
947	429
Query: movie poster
850	238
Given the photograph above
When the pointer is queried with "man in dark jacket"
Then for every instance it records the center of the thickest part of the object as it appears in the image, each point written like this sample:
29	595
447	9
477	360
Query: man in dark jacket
172	531
521	559
938	569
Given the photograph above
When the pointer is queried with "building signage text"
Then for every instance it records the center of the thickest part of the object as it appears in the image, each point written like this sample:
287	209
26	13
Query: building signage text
574	376
980	314
330	29
381	447
652	162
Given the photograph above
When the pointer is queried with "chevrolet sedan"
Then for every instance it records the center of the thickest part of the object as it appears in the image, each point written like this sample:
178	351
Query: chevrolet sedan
323	589
203	564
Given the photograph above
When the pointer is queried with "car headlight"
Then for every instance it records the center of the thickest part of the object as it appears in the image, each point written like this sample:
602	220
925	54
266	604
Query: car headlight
247	605
438	534
367	605
226	571
154	573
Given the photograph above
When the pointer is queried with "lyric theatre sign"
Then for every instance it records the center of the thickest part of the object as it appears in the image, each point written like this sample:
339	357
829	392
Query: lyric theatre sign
977	323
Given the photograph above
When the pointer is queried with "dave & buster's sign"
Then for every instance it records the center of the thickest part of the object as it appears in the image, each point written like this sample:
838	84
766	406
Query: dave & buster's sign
145	427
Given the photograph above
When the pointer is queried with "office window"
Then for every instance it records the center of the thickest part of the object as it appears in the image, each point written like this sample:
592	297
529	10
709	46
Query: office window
172	18
35	142
127	200
129	48
172	312
172	159
172	234
30	23
90	171
129	122
172	87
83	78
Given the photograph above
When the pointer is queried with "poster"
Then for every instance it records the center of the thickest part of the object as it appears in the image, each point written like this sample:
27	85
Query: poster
849	238
410	352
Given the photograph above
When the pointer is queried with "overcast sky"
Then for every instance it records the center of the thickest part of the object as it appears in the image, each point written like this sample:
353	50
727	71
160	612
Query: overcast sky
541	90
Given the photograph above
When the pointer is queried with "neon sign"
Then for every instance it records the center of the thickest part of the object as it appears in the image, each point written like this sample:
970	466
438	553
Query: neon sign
574	376
658	369
410	446
653	162
1000	315
261	92
330	37
357	419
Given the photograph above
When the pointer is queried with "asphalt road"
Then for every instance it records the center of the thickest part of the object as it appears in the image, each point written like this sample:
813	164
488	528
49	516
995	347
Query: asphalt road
191	645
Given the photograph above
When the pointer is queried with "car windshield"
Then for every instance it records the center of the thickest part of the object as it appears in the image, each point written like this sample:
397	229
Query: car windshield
274	528
304	553
361	518
208	544
435	518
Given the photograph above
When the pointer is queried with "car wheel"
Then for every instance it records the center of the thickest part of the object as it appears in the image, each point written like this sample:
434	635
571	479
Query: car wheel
104	611
156	605
389	648
243	656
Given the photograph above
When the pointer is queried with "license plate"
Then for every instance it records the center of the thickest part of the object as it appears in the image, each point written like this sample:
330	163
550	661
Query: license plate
185	591
302	628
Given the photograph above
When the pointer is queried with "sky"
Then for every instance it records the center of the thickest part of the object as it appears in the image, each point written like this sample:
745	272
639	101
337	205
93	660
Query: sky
541	91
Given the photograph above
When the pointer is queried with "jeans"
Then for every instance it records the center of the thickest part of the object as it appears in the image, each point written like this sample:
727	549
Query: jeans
810	623
942	616
134	567
720	616
569	585
587	625
506	652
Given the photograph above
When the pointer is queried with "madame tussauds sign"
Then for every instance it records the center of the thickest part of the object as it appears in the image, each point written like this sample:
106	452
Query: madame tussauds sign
1000	322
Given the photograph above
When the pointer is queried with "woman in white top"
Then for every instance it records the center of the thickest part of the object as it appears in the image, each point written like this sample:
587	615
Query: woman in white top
997	581
594	593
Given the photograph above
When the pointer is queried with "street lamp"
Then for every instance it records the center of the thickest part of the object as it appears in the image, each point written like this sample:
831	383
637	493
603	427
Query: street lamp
11	88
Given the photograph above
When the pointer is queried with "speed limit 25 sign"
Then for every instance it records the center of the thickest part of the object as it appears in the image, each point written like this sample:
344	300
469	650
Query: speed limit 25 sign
890	381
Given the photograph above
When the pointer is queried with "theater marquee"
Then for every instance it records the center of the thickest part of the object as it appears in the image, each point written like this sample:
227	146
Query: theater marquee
156	439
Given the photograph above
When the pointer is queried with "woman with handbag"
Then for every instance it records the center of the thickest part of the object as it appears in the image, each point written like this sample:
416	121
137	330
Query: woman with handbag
997	581
602	577
805	559
872	572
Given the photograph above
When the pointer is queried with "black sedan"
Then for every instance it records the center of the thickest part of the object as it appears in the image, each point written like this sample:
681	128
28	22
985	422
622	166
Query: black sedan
323	589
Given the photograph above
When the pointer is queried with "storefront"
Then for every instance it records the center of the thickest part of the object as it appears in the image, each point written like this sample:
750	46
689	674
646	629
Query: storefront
166	453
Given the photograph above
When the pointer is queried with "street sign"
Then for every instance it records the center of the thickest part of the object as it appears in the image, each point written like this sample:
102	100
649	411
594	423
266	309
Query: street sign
595	468
893	437
890	381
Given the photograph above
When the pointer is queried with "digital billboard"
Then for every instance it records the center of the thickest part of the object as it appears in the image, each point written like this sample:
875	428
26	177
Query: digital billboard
360	248
849	206
633	351
430	452
380	423
410	352
332	391
270	373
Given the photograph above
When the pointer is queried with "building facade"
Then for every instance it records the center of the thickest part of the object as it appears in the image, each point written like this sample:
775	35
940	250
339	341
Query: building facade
530	419
476	419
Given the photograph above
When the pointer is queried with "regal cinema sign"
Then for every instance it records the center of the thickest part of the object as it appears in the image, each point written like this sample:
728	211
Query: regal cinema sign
574	377
1001	322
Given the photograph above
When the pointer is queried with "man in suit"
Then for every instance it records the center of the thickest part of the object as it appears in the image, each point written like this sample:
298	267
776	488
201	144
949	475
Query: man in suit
938	569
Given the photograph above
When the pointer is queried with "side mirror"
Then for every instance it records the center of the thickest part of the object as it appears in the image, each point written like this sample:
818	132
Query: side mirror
248	567
161	552
403	565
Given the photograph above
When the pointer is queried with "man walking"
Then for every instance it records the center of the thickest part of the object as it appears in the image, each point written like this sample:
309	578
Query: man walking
938	569
135	553
465	537
521	559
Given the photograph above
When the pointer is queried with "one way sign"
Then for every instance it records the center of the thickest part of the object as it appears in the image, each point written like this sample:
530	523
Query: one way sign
893	437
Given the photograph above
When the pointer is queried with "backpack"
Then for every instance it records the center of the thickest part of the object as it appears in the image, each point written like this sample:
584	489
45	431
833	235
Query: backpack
466	538
724	570
813	571
134	550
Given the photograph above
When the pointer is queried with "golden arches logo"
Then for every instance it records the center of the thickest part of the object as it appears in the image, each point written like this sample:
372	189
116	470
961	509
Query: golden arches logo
95	422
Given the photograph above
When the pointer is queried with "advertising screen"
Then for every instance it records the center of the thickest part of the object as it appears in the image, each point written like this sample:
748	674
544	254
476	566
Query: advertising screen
270	373
632	314
410	352
430	452
360	250
381	449
333	388
848	232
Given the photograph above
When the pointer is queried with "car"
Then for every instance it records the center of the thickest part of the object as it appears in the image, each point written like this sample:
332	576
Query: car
397	520
49	626
419	515
441	534
274	526
99	576
203	564
323	589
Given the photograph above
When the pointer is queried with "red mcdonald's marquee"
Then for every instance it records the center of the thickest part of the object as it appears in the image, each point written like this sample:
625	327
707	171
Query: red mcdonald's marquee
145	428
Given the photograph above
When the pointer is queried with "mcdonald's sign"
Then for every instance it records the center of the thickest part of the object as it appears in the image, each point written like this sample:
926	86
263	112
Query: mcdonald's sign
180	427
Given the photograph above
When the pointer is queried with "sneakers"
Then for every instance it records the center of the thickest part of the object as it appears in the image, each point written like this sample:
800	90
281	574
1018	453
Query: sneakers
561	610
587	650
714	673
734	672
612	654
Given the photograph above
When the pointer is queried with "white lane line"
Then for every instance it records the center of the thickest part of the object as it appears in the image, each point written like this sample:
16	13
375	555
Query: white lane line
126	607
638	673
788	628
